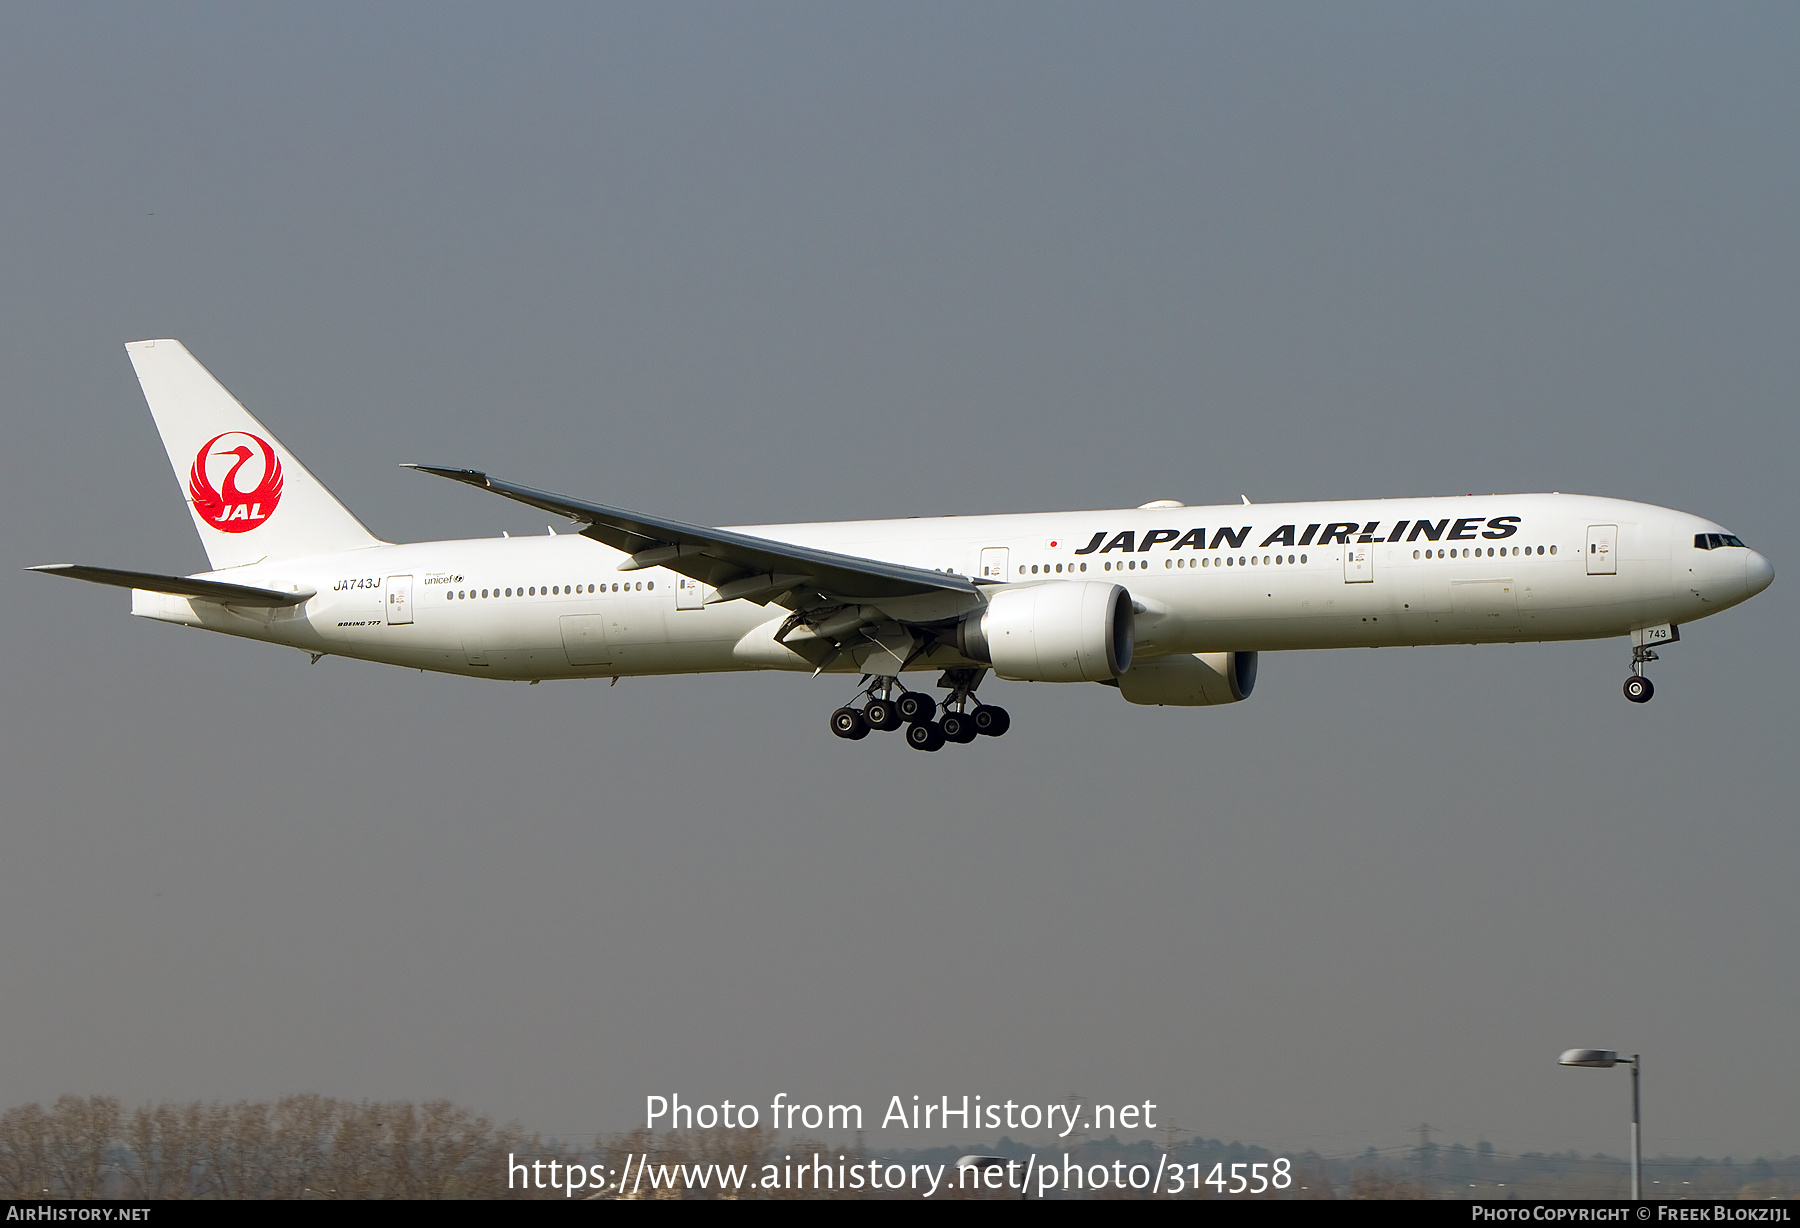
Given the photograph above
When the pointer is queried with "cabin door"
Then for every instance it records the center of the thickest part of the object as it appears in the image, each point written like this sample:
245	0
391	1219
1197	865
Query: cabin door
399	600
1603	550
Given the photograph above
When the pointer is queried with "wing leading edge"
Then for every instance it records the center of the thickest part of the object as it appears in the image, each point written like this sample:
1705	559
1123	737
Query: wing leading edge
737	565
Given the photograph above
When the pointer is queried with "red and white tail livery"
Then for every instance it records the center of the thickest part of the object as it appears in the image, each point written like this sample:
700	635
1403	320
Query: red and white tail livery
250	499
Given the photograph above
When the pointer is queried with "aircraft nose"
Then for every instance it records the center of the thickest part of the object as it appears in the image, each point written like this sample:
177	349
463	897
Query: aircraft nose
1759	573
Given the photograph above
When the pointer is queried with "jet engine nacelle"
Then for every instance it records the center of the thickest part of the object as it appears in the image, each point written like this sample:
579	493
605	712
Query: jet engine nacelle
1191	681
1071	631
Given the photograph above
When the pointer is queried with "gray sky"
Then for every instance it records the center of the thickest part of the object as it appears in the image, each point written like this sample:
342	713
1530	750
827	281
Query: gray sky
744	264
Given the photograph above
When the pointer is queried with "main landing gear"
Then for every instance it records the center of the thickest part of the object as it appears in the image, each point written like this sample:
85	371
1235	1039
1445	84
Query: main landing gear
964	719
1637	687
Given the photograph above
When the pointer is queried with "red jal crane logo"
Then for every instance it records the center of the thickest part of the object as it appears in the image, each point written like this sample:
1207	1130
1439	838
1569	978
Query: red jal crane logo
228	507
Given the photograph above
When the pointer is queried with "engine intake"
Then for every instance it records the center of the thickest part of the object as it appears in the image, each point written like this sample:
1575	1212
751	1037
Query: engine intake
1069	631
1185	681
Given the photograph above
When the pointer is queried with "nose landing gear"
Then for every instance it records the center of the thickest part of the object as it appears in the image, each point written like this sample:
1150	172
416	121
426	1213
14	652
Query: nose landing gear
1637	687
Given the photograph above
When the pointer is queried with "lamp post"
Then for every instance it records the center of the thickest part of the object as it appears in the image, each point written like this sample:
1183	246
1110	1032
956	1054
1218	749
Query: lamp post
1604	1059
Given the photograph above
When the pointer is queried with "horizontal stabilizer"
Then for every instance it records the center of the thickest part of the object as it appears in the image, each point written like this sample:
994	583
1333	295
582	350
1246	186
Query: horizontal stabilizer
180	586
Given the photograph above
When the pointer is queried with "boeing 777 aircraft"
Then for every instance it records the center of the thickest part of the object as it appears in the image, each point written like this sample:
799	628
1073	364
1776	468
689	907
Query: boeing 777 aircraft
1169	604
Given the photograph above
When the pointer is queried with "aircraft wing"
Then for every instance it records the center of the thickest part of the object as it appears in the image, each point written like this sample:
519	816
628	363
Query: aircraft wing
181	586
737	565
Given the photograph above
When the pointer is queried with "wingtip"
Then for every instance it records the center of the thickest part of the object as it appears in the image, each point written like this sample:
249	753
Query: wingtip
472	476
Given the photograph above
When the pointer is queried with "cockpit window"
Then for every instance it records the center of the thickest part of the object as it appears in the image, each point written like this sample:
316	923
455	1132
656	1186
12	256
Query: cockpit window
1716	541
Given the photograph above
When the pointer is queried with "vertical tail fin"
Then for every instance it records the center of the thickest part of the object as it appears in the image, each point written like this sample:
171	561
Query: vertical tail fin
250	498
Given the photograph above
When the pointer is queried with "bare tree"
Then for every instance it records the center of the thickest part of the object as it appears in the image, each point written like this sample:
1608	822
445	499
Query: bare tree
162	1151
24	1151
299	1128
356	1152
81	1129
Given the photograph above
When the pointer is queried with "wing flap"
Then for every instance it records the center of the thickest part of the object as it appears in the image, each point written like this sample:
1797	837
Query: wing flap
180	586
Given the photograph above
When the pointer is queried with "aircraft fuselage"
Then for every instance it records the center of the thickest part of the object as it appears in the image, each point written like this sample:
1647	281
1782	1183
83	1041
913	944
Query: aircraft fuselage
1263	577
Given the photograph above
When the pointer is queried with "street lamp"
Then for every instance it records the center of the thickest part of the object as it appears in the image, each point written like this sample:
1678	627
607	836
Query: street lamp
1604	1059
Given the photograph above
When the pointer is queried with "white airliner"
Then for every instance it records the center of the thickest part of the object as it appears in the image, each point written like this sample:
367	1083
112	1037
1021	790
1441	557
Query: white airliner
1170	604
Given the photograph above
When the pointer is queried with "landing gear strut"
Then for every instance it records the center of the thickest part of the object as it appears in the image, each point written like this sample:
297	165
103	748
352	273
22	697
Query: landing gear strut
1637	687
965	717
